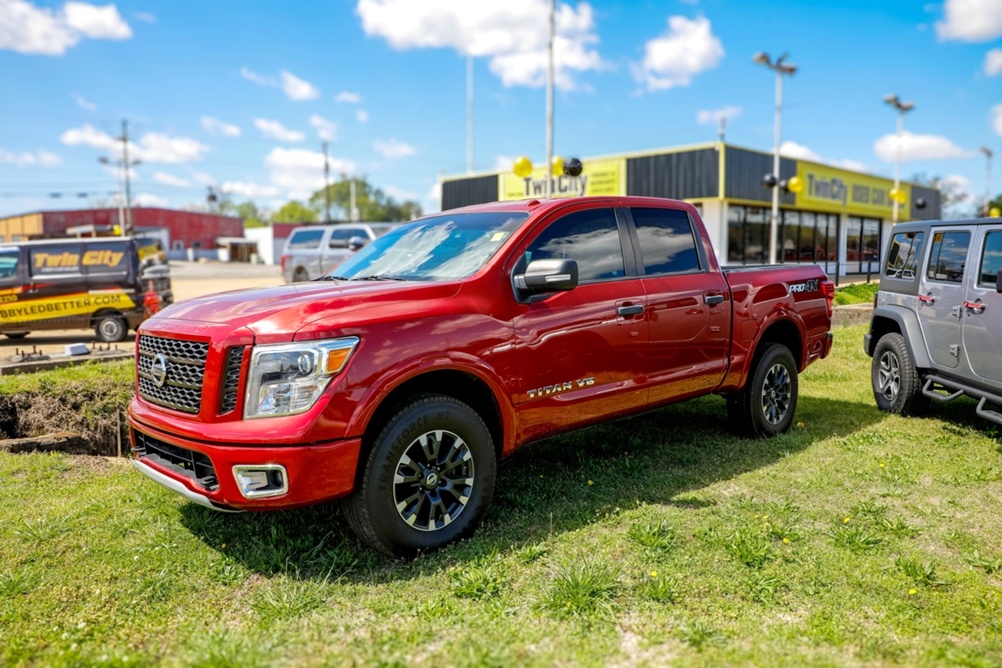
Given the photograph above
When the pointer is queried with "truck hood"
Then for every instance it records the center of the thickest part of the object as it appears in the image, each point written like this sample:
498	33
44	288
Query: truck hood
288	308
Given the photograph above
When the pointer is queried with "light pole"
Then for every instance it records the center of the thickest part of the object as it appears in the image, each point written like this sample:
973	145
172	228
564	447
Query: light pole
549	103
988	179
780	68
903	108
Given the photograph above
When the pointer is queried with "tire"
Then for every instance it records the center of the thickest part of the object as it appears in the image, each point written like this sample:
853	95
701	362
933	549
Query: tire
111	328
897	384
300	276
408	501
16	335
768	402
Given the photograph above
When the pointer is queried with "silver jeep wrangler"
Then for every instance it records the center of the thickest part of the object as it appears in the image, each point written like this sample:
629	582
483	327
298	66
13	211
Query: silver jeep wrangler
936	329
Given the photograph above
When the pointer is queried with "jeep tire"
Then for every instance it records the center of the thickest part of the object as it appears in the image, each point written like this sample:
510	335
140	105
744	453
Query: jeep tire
897	385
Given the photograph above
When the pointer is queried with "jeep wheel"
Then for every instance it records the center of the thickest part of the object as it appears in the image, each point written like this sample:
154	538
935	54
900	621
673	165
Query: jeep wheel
766	405
428	479
897	385
111	328
300	276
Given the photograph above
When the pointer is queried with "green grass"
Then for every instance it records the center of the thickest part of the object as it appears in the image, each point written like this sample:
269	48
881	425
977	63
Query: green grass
859	538
857	293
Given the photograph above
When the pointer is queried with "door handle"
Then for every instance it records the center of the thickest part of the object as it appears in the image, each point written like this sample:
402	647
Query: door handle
928	299
975	307
713	299
626	311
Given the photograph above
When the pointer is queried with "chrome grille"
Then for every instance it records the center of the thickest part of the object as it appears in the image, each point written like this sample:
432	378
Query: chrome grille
231	384
185	375
189	463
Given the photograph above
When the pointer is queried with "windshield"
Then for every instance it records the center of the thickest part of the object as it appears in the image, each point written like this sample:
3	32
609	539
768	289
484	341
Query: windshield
440	248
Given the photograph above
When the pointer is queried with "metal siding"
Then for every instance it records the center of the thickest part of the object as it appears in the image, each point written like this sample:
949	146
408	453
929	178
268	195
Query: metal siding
683	175
745	171
474	190
932	210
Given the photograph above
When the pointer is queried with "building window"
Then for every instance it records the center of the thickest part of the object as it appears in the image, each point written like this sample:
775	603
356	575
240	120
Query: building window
178	245
802	236
862	245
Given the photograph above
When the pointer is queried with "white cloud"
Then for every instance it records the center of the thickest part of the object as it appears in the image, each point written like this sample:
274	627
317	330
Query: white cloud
146	199
917	147
171	180
41	158
326	130
852	165
275	130
993	62
685	50
348	97
962	186
792	149
996	113
145	17
504	163
393	149
249	189
259	79
434	195
218	128
513	35
152	147
714	116
296	88
299	169
362	116
83	102
970	20
204	179
28	29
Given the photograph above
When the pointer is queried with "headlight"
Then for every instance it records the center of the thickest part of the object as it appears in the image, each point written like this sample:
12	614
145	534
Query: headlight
288	378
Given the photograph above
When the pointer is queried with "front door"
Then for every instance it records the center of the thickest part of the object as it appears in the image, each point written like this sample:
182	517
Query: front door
983	308
580	351
941	295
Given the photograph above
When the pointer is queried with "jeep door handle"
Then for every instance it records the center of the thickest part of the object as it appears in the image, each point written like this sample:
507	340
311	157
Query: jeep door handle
713	299
928	299
626	311
975	307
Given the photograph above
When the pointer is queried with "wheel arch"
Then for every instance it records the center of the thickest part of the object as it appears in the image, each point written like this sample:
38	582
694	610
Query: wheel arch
784	332
901	321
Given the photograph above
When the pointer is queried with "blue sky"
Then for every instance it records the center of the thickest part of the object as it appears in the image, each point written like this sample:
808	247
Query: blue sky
240	95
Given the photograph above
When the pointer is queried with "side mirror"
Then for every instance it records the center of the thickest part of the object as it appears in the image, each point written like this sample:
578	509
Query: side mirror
355	243
998	286
552	275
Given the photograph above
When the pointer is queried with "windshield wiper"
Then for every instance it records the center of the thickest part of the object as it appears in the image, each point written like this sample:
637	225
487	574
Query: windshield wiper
332	278
379	277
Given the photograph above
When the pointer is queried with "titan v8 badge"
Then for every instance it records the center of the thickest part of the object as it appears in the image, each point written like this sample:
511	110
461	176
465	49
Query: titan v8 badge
560	387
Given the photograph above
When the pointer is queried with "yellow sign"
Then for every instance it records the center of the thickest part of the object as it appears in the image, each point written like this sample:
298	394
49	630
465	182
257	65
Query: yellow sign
833	189
46	308
599	177
66	260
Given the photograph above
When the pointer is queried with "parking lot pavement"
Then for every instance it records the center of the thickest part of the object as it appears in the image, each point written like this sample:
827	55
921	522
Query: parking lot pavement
189	279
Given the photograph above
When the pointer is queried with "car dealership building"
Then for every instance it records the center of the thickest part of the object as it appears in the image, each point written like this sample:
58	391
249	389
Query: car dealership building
840	219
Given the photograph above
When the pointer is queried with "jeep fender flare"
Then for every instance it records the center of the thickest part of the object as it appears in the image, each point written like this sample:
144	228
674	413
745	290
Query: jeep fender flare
904	321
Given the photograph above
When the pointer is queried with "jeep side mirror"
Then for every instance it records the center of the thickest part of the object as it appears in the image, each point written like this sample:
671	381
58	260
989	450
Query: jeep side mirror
355	243
551	275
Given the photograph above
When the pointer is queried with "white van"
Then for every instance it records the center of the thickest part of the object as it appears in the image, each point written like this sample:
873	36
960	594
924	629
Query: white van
314	250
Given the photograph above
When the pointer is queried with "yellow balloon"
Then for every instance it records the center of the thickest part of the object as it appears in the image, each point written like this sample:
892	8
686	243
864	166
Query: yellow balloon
557	166
995	212
522	166
795	184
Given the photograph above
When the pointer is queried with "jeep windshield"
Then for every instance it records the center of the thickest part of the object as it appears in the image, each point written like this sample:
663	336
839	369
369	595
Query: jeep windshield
439	248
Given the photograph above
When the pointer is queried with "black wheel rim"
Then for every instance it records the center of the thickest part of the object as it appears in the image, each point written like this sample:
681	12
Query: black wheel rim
888	376
433	480
777	392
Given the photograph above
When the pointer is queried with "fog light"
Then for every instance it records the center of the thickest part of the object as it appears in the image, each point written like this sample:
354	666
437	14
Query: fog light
261	481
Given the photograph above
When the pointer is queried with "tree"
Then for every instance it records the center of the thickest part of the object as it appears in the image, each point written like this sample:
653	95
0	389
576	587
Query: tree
295	212
250	214
372	203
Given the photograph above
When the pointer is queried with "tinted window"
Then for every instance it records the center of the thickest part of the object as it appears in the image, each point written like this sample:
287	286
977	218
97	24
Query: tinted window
340	236
949	253
666	241
8	263
991	260
589	237
903	255
305	239
62	259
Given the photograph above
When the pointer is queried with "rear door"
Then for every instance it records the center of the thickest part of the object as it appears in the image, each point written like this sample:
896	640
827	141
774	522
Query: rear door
688	306
580	351
941	294
982	329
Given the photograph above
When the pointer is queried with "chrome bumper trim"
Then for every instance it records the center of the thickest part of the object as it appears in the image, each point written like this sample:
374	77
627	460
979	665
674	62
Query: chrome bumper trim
175	486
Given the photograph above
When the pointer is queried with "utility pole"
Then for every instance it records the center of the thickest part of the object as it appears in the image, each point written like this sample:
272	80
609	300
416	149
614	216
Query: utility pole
127	229
327	185
548	171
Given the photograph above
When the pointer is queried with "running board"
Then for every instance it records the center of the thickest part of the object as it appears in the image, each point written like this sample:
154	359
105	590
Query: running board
955	390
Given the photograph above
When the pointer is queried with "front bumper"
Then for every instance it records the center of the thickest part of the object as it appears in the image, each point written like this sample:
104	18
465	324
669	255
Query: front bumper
315	473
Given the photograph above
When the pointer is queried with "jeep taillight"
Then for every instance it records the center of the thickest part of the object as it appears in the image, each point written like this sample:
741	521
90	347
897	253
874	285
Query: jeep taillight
828	288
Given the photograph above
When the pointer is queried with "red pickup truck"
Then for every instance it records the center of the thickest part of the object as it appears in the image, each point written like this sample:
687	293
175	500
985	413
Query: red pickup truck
452	341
